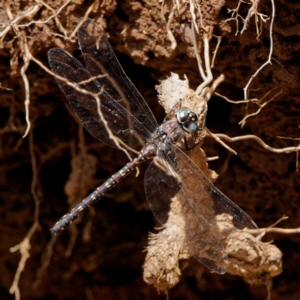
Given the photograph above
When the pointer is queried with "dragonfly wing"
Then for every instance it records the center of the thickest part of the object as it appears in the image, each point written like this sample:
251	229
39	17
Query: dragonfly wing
160	187
80	89
100	58
163	183
204	194
174	173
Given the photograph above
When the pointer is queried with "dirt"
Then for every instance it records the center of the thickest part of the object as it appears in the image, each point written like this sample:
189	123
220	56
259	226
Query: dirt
101	256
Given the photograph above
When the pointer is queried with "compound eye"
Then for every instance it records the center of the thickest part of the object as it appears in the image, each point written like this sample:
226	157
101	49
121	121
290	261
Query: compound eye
193	117
182	115
190	127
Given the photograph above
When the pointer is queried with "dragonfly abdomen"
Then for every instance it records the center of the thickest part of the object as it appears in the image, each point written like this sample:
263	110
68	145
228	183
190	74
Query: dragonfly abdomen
148	152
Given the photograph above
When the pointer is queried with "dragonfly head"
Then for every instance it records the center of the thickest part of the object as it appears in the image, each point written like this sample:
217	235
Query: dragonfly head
187	120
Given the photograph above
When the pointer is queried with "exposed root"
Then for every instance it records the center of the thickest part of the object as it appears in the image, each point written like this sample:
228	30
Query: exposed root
270	51
254	100
258	140
17	24
169	32
196	15
46	260
259	19
26	59
219	39
261	232
24	246
5	88
252	11
261	106
297	152
216	137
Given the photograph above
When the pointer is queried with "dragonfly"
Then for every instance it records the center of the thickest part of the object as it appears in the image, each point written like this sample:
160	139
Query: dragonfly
113	111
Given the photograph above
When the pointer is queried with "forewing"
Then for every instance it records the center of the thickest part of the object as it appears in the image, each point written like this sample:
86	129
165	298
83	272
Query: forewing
100	58
80	89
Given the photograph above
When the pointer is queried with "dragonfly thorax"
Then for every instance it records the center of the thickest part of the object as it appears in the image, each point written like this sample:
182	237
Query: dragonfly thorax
168	132
173	130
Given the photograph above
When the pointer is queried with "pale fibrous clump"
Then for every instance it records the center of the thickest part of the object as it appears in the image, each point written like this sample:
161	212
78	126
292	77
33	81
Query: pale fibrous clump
257	262
167	249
